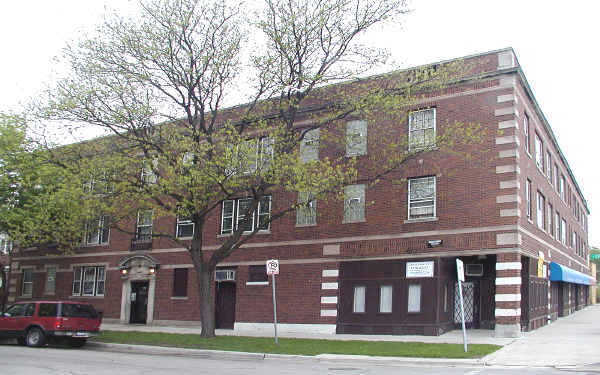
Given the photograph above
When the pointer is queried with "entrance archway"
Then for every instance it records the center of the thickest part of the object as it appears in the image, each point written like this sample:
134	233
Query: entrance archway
138	276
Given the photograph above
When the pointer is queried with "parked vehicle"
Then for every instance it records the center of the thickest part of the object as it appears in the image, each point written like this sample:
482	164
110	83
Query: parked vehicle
34	323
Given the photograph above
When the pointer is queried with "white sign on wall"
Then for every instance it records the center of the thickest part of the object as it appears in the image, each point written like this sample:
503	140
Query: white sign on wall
419	269
272	267
460	270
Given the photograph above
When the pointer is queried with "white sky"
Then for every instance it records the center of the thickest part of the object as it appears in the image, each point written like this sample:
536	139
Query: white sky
555	42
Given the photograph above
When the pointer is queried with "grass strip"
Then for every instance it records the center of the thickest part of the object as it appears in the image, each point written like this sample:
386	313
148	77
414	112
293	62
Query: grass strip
298	346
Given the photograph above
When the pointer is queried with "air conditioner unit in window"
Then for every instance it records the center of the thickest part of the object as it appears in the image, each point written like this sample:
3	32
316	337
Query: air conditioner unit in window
474	269
224	275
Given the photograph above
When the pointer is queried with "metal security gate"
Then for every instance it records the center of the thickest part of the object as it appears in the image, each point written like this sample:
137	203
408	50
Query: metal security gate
471	307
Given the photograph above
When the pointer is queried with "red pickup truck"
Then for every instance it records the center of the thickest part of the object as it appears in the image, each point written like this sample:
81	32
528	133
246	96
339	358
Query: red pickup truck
34	323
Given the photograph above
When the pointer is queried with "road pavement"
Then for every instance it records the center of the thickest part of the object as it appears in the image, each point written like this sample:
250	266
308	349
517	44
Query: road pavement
18	360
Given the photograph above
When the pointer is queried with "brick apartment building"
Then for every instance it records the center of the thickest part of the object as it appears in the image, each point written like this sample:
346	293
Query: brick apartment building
516	218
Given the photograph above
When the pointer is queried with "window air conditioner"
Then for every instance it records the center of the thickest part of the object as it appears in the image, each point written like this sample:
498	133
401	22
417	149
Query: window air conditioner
224	275
474	269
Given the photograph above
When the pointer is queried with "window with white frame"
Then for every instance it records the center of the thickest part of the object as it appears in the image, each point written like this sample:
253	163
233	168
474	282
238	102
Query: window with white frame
526	133
539	152
356	138
385	298
414	298
309	146
5	244
266	152
143	229
528	198
556	176
354	203
100	182
541	211
550	219
185	227
88	281
148	175
233	213
557	225
549	167
252	153
27	282
97	231
358	305
306	213
561	188
421	129
421	197
563	231
50	284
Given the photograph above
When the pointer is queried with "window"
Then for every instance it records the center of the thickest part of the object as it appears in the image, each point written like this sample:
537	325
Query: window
147	175
549	167
20	309
557	224
266	152
354	203
421	197
88	281
50	284
27	282
528	198
561	188
563	231
309	146
306	214
414	298
233	213
97	231
356	138
100	182
185	227
48	309
421	129
541	211
257	274
573	242
556	176
539	152
143	230
385	299
550	219
180	282
359	299
526	133
5	244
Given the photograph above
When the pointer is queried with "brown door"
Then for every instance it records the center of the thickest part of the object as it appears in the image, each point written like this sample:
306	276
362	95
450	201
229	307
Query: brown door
139	302
225	305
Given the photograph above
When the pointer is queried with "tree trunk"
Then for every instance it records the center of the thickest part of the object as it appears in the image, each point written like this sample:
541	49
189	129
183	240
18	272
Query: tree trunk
207	304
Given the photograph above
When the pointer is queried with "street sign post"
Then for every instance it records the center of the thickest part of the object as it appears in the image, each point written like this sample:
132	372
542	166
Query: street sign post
273	269
460	272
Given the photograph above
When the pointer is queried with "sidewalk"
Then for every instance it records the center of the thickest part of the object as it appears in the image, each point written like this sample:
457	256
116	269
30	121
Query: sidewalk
572	341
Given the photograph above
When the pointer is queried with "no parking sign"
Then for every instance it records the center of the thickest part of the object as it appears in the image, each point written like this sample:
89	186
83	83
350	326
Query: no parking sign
272	267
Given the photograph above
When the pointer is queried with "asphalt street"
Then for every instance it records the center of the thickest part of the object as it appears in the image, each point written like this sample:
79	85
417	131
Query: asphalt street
18	360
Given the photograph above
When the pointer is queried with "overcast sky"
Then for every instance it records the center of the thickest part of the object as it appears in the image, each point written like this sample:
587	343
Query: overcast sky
556	44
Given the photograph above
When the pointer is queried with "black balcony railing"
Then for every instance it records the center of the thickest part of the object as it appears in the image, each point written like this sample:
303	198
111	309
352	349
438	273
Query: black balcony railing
142	243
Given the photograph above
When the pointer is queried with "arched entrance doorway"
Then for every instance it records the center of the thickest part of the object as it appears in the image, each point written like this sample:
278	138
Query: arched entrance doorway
138	276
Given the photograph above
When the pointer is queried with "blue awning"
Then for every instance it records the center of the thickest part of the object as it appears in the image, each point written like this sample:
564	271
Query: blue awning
567	275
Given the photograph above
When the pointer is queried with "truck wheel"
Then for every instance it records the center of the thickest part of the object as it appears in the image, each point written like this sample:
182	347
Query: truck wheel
35	337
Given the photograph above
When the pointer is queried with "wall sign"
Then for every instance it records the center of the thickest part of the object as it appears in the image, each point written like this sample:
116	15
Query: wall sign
419	269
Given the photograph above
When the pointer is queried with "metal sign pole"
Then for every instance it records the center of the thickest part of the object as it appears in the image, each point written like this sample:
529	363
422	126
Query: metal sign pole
275	308
462	314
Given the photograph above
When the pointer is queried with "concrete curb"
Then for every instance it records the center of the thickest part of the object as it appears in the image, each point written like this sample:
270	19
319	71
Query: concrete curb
219	354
